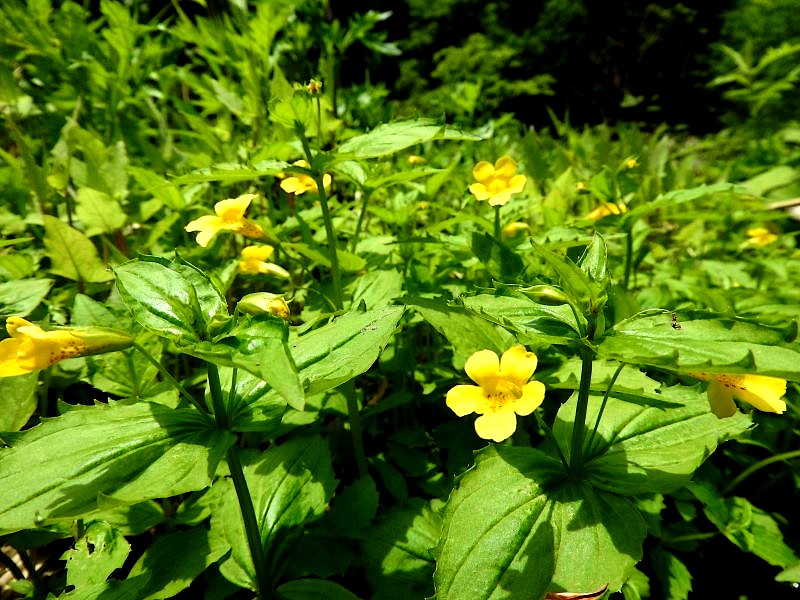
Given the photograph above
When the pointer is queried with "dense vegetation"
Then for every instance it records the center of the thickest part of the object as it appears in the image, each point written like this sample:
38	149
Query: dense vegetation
262	263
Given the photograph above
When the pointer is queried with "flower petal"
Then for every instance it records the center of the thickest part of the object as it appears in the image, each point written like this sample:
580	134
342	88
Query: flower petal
292	185
505	167
761	392
9	366
496	426
500	199
483	367
268	268
532	397
465	399
517	183
479	191
721	400
517	364
257	252
483	171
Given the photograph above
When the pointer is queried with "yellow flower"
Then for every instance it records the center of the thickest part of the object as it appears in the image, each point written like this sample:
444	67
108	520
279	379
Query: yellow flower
264	302
761	392
414	160
254	259
496	183
759	236
229	217
302	183
314	87
503	391
606	209
514	228
581	188
631	163
31	348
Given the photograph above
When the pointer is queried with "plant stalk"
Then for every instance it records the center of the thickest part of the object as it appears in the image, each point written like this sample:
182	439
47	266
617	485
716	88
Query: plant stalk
579	424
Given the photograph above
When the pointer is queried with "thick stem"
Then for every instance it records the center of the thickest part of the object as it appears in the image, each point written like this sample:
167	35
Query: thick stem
497	223
250	522
217	402
579	424
354	417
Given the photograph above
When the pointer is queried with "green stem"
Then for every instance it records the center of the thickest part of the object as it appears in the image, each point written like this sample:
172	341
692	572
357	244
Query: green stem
497	223
250	522
628	256
360	222
174	382
689	537
579	424
354	417
217	402
549	432
757	466
603	405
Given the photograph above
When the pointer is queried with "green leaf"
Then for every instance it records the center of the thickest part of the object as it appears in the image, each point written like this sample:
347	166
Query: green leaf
175	559
707	345
303	589
594	259
97	554
398	135
18	400
397	550
378	288
644	449
354	507
75	464
574	281
676	581
675	198
515	527
499	260
290	485
171	298
21	297
232	173
467	332
98	212
72	254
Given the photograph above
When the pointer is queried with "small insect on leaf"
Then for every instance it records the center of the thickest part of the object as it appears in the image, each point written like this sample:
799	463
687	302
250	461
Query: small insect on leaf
595	595
675	324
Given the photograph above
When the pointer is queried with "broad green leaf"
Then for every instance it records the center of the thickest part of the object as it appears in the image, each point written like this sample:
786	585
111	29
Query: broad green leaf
72	254
675	198
398	551
303	589
97	554
77	463
675	579
18	400
174	560
771	179
467	332
153	184
574	281
790	574
258	345
98	212
594	259
354	507
398	135
515	527
128	589
252	407
499	260
706	345
378	288
233	173
642	449
290	485
21	297
537	325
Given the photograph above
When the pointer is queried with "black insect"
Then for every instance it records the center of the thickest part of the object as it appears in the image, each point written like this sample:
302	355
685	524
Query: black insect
675	324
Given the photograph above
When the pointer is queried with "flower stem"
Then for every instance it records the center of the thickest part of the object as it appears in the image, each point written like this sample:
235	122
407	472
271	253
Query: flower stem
217	402
360	223
497	223
549	432
354	417
758	466
628	256
250	522
579	424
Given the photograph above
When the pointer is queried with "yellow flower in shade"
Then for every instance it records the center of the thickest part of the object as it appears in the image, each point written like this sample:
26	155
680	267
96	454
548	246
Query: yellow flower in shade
264	302
31	348
759	236
496	182
761	392
502	393
514	228
254	262
606	209
229	217
302	183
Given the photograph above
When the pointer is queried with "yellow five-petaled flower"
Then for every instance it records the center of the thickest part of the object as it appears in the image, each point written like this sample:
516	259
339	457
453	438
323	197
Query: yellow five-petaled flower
760	391
302	183
759	236
229	217
31	348
254	261
503	391
496	182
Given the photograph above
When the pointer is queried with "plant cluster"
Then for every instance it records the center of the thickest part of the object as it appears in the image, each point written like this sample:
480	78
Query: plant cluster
265	341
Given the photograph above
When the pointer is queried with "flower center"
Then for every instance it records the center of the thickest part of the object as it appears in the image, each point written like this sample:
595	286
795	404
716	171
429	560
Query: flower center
504	392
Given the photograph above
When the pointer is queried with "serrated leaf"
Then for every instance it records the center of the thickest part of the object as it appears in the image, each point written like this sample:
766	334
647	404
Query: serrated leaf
290	485
516	526
643	449
709	345
675	579
75	464
72	254
97	554
98	212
